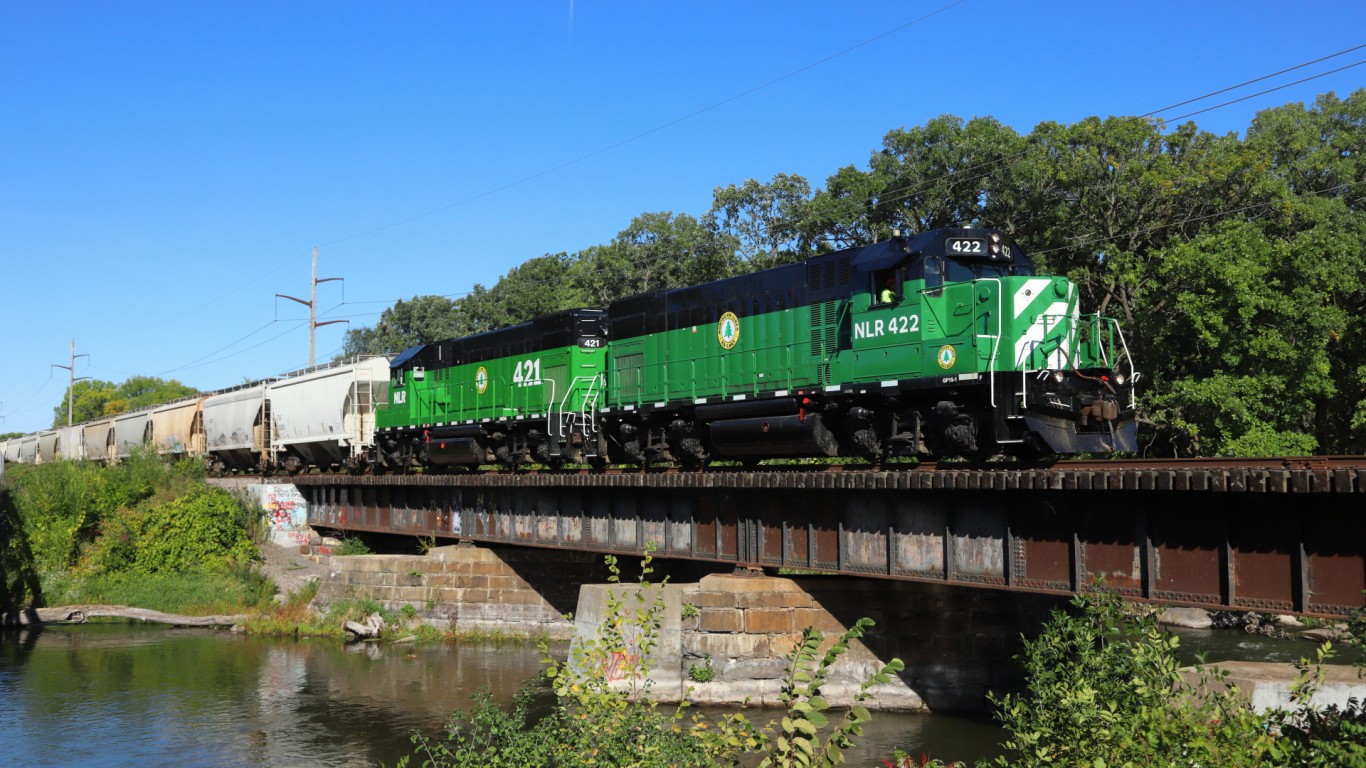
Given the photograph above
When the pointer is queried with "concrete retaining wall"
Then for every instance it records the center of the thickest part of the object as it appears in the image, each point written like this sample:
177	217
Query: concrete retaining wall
466	588
1266	685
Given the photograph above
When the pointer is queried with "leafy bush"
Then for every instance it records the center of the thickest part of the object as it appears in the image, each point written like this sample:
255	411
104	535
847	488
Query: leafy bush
64	505
95	534
353	545
201	529
1104	688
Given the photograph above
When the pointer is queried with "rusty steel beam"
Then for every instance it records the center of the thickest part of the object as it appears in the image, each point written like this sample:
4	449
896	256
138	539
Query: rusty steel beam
1229	539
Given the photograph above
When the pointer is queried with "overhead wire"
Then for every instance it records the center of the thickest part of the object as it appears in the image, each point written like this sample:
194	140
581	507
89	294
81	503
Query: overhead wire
230	345
987	165
1222	214
959	175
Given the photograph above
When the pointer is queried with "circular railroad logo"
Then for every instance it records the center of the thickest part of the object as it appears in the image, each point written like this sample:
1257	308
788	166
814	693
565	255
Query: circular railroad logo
947	356
728	330
481	379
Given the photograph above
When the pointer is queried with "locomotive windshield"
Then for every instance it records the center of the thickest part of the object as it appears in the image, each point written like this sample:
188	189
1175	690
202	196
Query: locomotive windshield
962	271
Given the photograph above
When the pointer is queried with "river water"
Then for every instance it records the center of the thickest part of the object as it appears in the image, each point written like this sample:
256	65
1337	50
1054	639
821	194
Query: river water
121	695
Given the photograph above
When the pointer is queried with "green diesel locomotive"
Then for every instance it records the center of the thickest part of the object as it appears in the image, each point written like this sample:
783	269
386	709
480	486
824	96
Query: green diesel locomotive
943	343
525	393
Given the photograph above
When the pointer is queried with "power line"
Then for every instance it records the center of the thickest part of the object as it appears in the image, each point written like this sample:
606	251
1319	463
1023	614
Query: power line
1270	90
792	228
1083	240
230	345
246	349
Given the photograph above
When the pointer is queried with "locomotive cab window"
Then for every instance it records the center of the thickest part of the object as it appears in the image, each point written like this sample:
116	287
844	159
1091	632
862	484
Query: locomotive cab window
934	275
886	287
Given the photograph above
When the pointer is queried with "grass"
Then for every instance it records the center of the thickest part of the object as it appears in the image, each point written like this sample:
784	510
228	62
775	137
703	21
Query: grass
195	593
294	618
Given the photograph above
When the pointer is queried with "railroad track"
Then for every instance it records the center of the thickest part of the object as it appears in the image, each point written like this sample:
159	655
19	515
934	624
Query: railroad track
1211	465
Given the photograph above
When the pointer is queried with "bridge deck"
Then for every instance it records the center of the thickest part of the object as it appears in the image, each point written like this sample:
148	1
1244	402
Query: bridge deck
1288	539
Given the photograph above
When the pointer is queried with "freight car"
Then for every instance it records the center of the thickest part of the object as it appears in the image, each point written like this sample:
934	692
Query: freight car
322	417
944	343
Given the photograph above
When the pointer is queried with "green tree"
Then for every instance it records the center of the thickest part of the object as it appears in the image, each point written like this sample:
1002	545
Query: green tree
537	287
94	399
89	399
1104	688
763	220
144	391
1316	184
657	251
419	320
1250	321
946	173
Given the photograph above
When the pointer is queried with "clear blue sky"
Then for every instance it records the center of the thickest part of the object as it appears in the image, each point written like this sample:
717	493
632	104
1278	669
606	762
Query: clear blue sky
165	167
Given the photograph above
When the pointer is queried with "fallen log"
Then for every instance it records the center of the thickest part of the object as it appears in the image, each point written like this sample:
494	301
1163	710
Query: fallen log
370	630
80	614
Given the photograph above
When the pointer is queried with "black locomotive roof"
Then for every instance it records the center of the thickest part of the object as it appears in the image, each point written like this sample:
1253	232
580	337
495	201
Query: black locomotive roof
559	329
406	355
817	279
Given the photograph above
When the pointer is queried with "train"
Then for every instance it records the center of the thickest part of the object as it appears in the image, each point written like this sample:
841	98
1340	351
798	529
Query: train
941	343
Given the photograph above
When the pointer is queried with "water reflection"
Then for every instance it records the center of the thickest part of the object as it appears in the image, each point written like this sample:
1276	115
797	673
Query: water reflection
116	695
1235	645
119	695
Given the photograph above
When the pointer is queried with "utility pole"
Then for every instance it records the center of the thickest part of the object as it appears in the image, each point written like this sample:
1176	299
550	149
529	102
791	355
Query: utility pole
312	305
72	378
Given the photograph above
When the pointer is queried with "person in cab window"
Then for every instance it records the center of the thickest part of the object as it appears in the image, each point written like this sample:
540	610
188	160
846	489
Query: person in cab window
887	296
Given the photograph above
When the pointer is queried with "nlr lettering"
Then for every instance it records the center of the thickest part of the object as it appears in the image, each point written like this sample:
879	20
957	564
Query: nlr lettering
868	329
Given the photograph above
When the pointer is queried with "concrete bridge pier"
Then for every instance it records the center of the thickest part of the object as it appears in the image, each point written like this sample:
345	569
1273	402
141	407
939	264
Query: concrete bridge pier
956	643
724	638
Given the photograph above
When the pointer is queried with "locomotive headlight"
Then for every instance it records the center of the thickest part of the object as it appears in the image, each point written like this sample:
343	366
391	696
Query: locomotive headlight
995	237
1058	376
1120	379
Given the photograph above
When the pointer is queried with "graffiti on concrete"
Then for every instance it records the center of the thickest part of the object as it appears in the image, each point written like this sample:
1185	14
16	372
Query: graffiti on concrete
284	506
285	513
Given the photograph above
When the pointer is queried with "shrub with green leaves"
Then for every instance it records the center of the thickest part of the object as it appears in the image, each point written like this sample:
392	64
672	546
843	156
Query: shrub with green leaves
86	532
202	529
1104	689
592	721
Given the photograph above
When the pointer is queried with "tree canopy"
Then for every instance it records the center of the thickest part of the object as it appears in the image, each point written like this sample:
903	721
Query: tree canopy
94	398
1236	265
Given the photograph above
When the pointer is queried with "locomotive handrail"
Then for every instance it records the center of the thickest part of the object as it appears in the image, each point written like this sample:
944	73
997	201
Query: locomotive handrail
996	347
551	412
582	414
1099	323
1133	374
